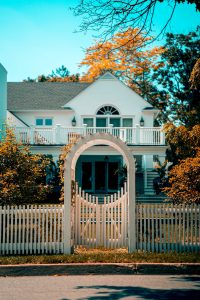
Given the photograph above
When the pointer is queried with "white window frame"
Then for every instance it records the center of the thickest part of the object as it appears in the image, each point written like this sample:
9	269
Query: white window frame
43	118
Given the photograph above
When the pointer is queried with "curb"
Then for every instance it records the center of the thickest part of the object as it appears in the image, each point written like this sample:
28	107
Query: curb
100	269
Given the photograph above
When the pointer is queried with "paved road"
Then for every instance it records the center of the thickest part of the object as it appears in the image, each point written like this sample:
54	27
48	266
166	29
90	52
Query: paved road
99	287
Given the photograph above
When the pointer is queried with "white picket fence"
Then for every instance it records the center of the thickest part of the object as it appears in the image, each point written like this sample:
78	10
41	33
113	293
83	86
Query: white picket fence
159	227
101	224
168	227
31	229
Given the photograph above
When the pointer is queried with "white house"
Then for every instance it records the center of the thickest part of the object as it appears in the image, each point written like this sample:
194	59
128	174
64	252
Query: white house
48	115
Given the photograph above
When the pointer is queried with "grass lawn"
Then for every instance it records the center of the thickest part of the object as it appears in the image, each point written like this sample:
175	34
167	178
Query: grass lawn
102	256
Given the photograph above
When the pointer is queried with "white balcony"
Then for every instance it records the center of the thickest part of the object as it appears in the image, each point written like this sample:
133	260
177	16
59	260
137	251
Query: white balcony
60	135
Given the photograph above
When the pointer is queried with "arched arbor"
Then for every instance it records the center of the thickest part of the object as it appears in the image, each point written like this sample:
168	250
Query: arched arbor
69	175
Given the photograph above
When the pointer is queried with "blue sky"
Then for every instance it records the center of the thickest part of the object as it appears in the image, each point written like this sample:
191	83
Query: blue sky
38	36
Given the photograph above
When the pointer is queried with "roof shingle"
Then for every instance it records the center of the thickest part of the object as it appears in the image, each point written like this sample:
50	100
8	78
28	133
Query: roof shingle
42	95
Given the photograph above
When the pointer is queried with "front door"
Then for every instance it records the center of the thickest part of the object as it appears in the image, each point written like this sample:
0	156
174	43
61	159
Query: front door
100	176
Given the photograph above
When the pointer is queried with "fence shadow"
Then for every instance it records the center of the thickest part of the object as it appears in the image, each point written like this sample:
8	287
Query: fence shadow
114	292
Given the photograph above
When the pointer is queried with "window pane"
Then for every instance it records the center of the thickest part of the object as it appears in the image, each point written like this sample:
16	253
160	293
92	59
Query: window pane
115	122
87	175
101	122
128	122
88	121
48	122
113	175
39	122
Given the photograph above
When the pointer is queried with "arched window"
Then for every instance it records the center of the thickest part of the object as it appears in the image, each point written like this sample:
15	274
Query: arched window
107	115
108	110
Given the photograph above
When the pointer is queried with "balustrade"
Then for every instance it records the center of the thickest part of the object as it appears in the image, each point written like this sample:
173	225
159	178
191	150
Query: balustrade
60	135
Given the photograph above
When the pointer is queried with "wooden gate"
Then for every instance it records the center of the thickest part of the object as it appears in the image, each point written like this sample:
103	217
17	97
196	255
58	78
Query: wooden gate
101	222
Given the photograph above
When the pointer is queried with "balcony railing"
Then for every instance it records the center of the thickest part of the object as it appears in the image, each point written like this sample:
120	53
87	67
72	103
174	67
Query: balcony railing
60	135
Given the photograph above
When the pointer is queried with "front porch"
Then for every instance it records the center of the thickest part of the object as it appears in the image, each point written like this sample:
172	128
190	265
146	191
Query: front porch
60	135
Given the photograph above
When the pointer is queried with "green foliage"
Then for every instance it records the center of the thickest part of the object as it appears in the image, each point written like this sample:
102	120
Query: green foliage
173	78
22	175
65	151
61	74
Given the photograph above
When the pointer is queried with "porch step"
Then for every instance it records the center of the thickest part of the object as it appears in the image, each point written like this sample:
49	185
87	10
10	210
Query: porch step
149	190
150	199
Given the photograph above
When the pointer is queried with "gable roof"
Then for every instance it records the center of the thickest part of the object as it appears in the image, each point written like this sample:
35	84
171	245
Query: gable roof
42	95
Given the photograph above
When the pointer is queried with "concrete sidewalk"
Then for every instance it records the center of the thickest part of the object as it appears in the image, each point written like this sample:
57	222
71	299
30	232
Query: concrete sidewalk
100	269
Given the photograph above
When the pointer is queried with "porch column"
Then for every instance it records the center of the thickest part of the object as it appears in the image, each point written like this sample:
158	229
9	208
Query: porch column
57	137
137	134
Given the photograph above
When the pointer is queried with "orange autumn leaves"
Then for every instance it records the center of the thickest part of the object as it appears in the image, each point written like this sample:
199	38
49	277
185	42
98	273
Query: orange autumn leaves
126	55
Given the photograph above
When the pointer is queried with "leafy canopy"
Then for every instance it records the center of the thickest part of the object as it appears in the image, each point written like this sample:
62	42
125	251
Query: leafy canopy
22	175
173	77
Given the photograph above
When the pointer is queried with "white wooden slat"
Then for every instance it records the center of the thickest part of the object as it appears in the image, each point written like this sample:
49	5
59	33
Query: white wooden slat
47	231
164	226
118	221
191	227
196	228
27	229
98	224
145	231
172	227
168	228
153	227
50	230
39	230
93	223
104	223
141	225
43	229
7	229
54	230
176	228
160	227
156	233
4	230
31	229
15	212
1	223
148	229
183	229
180	229
11	230
115	221
59	227
111	222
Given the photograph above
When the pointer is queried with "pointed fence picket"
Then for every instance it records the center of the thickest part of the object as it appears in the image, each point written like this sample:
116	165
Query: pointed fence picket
101	224
35	229
168	227
31	229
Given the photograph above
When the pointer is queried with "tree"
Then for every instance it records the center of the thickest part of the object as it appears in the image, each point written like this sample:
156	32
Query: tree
110	16
173	78
129	60
185	181
183	142
22	175
195	77
61	74
184	149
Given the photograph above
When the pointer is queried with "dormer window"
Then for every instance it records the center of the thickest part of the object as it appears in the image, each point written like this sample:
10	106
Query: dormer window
44	121
107	110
